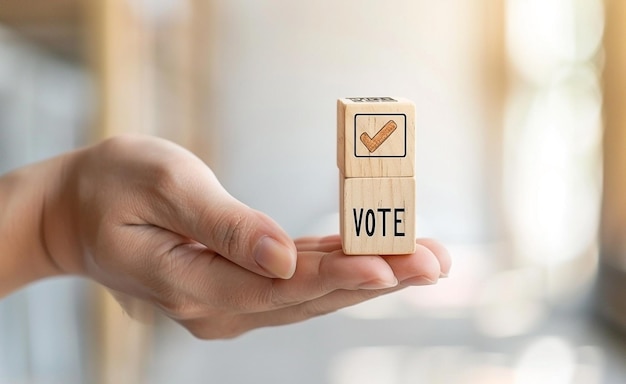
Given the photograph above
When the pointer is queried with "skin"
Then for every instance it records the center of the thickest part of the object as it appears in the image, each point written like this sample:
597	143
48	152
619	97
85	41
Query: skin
147	219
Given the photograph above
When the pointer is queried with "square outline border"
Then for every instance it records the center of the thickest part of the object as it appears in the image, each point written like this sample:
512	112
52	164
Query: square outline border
379	114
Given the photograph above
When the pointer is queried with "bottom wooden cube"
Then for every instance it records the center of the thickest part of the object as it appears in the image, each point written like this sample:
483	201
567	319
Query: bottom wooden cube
377	215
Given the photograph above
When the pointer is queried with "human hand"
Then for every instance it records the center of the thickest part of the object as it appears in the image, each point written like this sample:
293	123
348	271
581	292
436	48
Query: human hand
325	281
148	219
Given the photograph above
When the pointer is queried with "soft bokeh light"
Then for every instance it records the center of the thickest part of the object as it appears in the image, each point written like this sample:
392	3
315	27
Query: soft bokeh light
400	365
549	360
544	360
554	191
511	303
544	35
367	366
553	130
509	104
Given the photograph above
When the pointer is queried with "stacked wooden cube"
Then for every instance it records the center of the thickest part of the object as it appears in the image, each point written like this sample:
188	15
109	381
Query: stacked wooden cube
376	160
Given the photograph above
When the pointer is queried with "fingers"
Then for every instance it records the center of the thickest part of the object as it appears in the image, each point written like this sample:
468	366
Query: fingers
235	231
207	327
320	244
204	282
218	327
304	311
221	284
173	189
425	248
246	237
420	268
442	254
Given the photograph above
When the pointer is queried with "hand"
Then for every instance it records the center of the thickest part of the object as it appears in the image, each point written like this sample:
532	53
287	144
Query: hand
325	280
146	218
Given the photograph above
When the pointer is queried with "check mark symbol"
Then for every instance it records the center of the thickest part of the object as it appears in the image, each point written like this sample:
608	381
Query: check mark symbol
372	143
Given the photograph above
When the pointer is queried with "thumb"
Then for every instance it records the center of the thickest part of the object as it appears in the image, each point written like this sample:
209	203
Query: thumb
195	205
248	238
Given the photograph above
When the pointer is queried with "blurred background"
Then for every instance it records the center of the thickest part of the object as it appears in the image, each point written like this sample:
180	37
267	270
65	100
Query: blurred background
520	152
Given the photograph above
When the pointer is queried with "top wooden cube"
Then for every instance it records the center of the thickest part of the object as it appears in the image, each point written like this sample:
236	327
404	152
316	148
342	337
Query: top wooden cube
376	137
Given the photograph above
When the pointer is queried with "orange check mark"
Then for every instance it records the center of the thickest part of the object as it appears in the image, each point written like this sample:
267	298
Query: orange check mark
372	143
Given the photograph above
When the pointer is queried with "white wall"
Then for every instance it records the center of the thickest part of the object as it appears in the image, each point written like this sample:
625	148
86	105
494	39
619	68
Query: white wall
278	68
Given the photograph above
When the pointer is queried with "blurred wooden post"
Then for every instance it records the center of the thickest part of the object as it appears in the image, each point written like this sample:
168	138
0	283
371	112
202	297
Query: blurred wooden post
612	279
184	42
116	41
495	80
147	80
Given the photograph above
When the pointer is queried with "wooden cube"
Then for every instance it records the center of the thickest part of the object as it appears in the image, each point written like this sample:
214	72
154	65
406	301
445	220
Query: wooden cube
375	137
377	215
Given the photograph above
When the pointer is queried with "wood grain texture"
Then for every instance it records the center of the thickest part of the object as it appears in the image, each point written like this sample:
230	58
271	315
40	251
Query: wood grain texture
376	160
377	215
367	146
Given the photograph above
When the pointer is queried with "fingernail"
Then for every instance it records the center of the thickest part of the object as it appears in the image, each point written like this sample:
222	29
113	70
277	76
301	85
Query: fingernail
380	283
275	258
443	275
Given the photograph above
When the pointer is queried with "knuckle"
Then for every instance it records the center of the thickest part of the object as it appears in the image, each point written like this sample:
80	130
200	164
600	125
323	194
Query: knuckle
250	300
180	310
118	143
166	180
261	296
169	187
231	231
279	298
265	299
216	328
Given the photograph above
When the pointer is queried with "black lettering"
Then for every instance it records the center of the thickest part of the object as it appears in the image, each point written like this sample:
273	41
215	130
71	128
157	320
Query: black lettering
397	221
384	212
370	229
357	223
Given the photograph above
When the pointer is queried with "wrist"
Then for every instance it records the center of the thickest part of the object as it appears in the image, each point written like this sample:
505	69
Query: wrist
24	255
60	219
